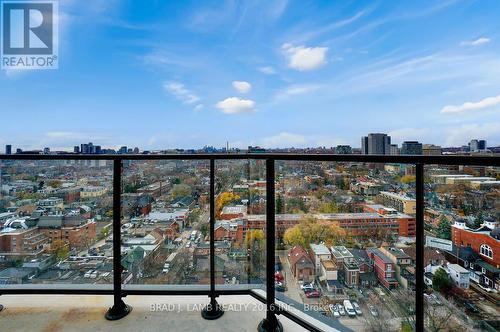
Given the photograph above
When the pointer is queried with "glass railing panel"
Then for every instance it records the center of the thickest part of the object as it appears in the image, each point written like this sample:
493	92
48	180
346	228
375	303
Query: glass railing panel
165	212
56	224
240	228
345	243
462	248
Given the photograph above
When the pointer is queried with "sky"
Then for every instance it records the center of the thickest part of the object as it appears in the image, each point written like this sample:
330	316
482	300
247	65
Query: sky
184	74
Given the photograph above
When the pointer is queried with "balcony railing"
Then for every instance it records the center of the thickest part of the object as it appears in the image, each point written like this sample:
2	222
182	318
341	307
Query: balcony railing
266	295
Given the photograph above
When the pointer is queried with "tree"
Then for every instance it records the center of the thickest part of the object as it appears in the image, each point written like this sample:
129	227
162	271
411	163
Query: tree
180	190
479	219
293	236
104	232
408	179
444	228
296	205
311	231
440	280
279	204
329	208
224	199
55	183
60	249
204	230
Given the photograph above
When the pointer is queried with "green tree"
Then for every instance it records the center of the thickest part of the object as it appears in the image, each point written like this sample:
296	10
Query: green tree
440	280
180	190
444	228
479	220
329	208
279	204
204	230
60	249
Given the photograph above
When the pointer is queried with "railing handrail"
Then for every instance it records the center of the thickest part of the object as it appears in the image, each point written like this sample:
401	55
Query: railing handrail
481	160
418	160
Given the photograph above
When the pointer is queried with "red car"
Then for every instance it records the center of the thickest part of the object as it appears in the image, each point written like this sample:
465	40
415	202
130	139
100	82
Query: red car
313	294
278	277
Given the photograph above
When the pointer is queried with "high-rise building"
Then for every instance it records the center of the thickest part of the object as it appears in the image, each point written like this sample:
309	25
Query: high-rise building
123	150
477	145
8	149
431	150
76	149
364	145
46	151
394	150
376	143
411	147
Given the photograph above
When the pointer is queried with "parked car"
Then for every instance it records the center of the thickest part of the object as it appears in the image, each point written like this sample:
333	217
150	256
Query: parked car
432	299
487	289
373	310
279	287
349	308
357	308
313	294
306	285
341	309
334	310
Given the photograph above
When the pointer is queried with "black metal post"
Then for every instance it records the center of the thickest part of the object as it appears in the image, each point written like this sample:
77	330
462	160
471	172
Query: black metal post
270	323
213	310
419	301
119	308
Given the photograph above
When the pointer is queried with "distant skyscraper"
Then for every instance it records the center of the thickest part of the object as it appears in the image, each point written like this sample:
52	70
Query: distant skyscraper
477	145
411	147
46	150
364	145
431	150
394	150
376	143
76	149
123	150
8	149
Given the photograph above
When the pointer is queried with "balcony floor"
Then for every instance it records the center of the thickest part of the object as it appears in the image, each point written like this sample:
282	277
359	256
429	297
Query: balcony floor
54	313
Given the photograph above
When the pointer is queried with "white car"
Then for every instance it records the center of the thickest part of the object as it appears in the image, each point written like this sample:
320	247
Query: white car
341	309
357	308
373	310
307	286
334	311
487	289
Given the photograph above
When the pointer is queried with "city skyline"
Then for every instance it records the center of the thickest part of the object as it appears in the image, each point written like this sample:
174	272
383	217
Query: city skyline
250	72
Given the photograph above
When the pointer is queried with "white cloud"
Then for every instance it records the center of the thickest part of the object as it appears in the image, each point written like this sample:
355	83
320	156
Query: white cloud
303	58
179	91
199	107
294	90
235	105
267	70
476	42
472	106
242	86
284	139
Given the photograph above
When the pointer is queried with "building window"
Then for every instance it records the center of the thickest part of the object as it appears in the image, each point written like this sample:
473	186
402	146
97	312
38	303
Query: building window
485	250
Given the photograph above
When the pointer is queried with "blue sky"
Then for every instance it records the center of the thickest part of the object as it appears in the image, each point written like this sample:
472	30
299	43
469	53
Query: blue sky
164	74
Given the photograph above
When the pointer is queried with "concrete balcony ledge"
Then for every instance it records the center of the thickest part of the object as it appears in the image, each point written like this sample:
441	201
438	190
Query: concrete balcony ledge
46	313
